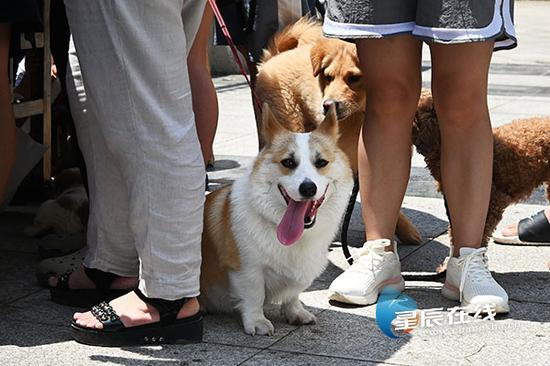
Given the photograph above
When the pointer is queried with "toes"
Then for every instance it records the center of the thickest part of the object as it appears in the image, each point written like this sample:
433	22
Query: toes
88	321
261	327
81	318
82	322
85	319
52	281
300	318
510	230
132	312
77	315
296	314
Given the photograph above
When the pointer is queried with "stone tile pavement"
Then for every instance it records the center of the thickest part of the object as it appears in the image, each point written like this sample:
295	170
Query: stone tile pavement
34	331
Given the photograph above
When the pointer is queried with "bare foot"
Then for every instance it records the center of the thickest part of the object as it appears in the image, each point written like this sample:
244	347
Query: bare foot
510	230
79	280
133	312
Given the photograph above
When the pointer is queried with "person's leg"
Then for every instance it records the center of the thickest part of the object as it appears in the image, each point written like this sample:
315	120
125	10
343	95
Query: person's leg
7	121
145	116
391	68
253	73
205	100
110	241
459	87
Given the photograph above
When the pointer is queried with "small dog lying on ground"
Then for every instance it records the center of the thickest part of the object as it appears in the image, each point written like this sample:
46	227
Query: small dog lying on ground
66	214
521	158
266	237
302	74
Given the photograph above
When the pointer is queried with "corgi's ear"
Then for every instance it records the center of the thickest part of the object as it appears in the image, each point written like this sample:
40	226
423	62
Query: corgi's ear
329	126
270	126
317	55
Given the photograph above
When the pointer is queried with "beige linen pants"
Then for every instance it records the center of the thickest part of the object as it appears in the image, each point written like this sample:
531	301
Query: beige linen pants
131	101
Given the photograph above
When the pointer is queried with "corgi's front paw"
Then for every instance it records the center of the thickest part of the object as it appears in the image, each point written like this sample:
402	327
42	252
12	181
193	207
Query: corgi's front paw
300	317
261	326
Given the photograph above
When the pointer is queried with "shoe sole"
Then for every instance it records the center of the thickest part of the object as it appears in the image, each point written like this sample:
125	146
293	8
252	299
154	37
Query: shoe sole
372	297
515	240
181	331
454	295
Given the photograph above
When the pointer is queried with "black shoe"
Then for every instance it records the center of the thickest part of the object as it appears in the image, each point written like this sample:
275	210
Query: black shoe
62	294
534	230
167	330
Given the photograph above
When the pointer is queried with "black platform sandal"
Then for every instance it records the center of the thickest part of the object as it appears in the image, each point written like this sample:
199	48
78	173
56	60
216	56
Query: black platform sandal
534	230
167	330
62	294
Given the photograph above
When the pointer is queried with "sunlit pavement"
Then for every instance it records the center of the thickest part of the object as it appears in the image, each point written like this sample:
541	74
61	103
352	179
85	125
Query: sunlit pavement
35	331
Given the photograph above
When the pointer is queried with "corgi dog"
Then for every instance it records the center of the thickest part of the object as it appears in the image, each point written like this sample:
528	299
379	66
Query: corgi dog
266	237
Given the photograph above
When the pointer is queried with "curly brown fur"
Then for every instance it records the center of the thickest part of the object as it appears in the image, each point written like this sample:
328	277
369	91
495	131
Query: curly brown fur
521	158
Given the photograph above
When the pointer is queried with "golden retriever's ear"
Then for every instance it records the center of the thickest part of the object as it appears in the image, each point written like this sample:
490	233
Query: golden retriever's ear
317	55
329	126
270	125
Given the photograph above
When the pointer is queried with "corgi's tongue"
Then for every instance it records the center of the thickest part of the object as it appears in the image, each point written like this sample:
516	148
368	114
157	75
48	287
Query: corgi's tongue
291	227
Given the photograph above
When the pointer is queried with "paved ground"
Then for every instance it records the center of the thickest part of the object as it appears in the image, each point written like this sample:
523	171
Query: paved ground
34	331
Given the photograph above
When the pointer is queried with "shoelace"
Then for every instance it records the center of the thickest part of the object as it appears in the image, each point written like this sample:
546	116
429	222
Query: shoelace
475	264
372	252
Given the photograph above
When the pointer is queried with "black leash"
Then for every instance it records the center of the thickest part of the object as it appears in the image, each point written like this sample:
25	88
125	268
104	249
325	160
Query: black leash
345	246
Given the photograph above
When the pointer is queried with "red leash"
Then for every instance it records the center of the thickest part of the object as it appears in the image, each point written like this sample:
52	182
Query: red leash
233	48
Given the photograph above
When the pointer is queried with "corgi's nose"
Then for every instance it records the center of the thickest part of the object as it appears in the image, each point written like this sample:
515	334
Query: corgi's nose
328	102
307	189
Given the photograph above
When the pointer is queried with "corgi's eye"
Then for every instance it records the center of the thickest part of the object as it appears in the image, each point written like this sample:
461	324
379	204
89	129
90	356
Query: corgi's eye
352	79
328	78
288	163
320	163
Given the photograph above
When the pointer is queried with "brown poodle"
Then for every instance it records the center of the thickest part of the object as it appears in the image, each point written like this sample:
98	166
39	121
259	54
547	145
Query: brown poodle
521	158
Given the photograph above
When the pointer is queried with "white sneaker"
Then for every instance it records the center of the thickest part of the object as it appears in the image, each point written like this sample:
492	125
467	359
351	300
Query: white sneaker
371	271
470	282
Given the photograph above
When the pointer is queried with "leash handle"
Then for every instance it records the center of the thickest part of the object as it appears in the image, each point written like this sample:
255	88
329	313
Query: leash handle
233	48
